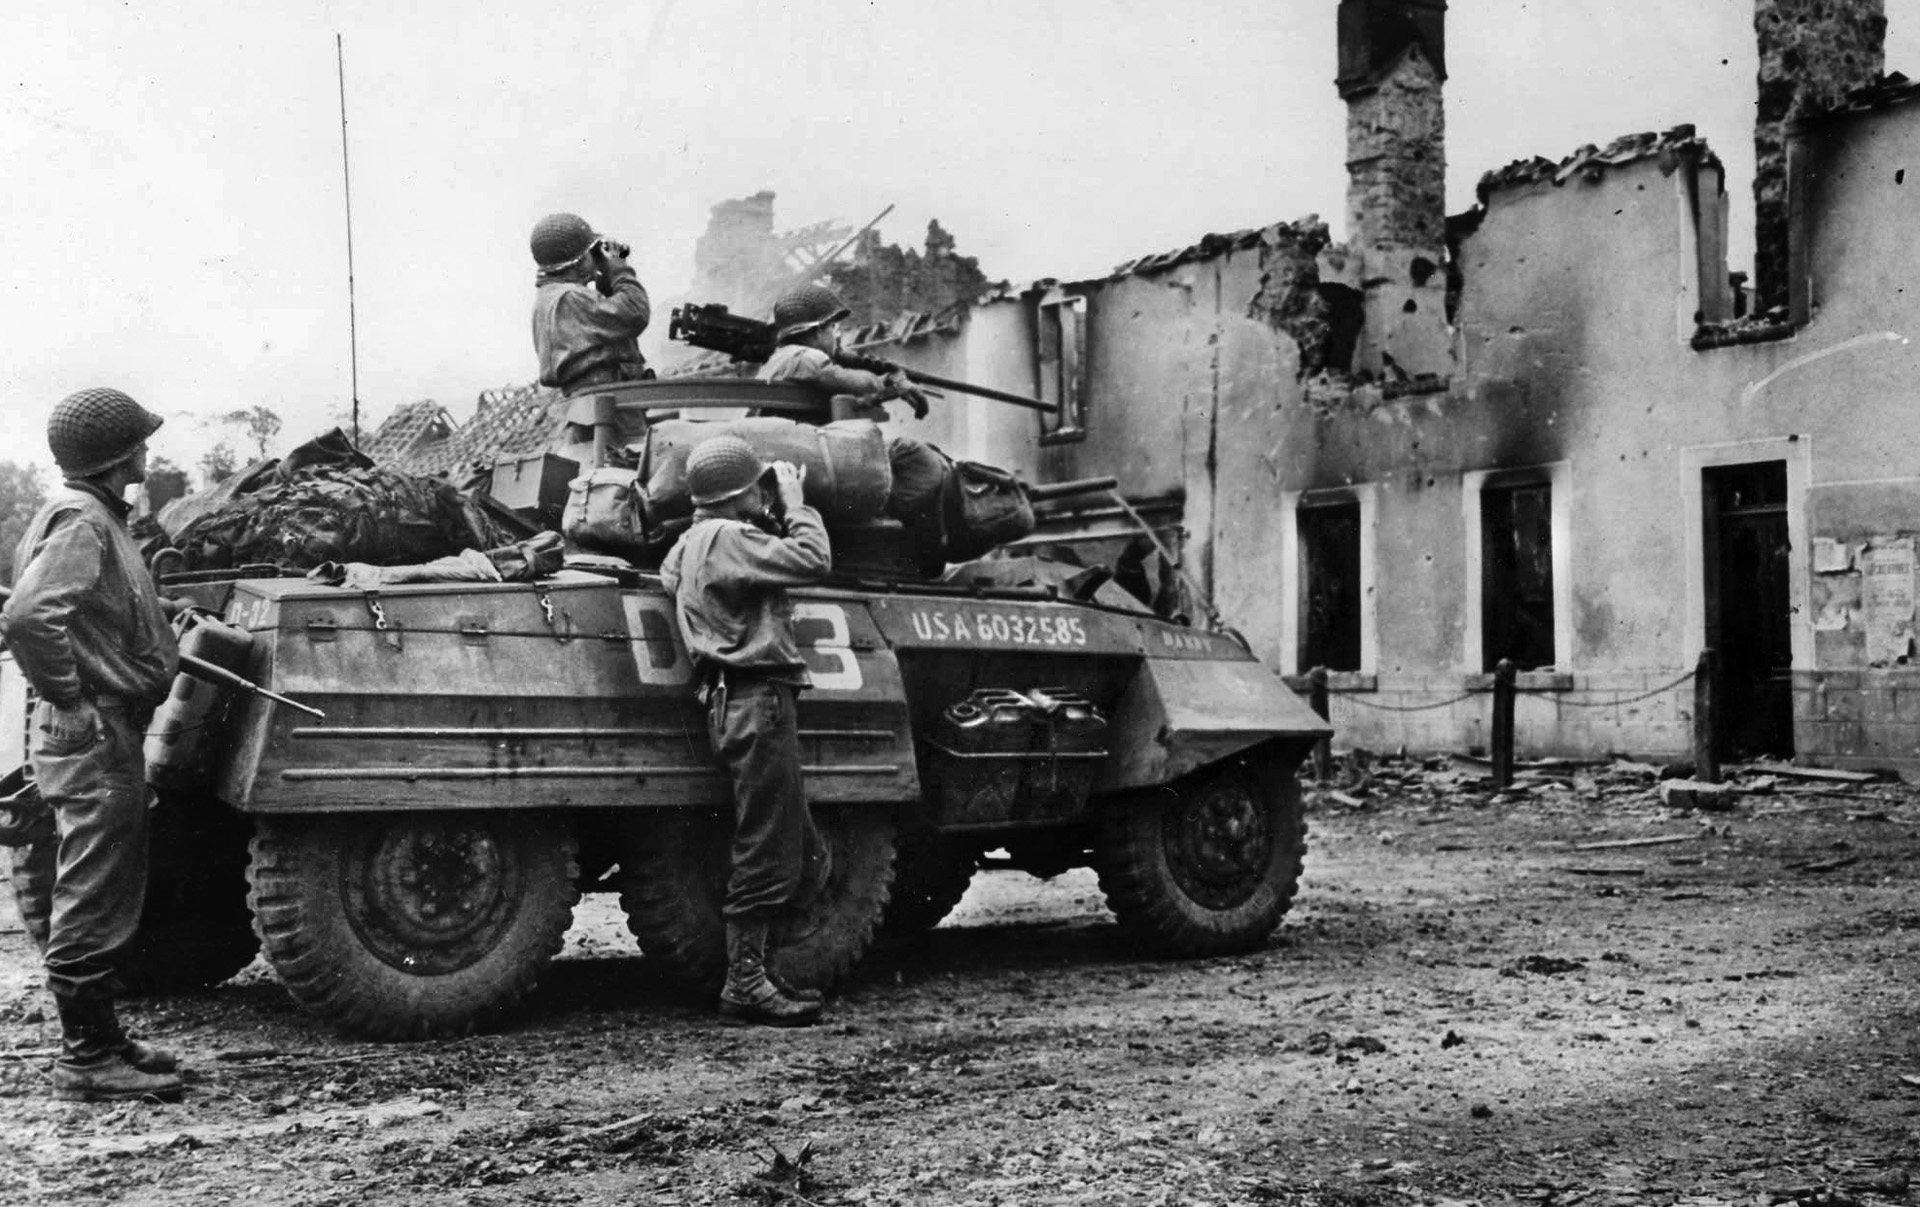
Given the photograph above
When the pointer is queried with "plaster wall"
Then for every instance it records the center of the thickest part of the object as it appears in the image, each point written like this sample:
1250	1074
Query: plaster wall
1572	357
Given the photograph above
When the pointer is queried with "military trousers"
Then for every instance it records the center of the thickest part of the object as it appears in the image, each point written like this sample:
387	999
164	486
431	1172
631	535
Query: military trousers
777	853
96	783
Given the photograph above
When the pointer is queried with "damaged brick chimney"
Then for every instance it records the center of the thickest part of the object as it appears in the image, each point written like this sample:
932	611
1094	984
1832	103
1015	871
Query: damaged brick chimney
1812	53
1392	66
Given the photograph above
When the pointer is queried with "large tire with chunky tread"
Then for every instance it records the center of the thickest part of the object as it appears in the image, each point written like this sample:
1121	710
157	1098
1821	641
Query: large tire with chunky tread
931	874
675	864
412	925
195	930
31	874
1209	864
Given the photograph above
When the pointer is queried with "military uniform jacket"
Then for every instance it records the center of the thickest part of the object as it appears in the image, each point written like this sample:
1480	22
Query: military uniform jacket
581	336
84	621
728	580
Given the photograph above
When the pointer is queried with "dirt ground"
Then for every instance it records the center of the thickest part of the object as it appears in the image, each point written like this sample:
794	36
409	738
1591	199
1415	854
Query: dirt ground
1464	1005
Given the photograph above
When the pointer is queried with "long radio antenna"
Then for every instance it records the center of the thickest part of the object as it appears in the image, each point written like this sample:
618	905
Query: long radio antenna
346	177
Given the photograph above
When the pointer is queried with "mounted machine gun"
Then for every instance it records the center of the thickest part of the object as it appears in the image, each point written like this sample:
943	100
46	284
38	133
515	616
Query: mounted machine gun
716	329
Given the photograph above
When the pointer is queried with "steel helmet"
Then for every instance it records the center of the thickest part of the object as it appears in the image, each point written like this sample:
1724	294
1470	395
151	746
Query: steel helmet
802	310
96	429
721	468
559	239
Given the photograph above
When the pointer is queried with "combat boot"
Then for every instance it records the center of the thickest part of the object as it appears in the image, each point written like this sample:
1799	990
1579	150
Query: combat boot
95	1063
147	1058
808	997
748	995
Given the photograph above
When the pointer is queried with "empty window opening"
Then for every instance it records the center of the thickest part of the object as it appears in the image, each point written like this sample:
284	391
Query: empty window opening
1516	575
1330	596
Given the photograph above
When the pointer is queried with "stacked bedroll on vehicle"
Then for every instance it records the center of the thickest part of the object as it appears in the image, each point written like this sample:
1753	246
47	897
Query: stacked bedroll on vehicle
892	504
410	860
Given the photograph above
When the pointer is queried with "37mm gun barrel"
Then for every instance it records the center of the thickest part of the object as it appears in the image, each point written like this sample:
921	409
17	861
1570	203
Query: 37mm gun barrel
965	387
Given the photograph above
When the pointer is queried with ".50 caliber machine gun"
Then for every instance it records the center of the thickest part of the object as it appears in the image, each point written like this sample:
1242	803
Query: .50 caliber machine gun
716	329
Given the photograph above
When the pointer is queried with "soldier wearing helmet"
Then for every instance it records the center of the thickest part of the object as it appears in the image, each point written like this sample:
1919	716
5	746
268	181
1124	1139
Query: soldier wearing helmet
807	325
91	636
728	576
589	307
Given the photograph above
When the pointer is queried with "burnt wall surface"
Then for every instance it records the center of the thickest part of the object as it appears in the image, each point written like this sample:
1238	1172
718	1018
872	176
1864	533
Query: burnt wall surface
1812	53
1579	287
1858	702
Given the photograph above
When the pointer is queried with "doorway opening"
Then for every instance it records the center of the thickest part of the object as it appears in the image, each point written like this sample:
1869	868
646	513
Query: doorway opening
1748	574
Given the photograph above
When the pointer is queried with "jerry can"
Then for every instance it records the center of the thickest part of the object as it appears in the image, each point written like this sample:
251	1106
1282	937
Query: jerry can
175	736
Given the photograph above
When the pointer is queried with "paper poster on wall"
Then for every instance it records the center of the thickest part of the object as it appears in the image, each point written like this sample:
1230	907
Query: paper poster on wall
1887	593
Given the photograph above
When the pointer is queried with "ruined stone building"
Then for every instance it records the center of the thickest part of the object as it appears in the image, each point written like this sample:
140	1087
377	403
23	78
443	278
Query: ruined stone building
1548	429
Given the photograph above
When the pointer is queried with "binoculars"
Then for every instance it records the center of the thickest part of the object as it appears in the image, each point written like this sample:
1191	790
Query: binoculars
611	247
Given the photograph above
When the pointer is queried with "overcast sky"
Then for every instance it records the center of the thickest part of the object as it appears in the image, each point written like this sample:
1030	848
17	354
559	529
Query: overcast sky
172	220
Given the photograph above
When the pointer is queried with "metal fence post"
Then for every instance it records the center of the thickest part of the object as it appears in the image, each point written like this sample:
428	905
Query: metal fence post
1706	757
1317	700
1503	692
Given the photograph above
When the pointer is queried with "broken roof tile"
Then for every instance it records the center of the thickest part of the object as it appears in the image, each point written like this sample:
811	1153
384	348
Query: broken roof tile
421	438
1307	231
1630	148
1891	89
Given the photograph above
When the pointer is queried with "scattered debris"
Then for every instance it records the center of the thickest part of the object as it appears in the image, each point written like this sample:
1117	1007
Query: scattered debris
784	1180
1834	775
1698	794
1541	966
1618	844
198	1136
1824	865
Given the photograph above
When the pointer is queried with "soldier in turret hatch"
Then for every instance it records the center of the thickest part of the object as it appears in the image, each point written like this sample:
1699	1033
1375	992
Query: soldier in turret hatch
807	324
589	306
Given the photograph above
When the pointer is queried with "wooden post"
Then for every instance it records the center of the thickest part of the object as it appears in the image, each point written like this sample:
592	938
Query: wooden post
1317	700
1503	692
1706	724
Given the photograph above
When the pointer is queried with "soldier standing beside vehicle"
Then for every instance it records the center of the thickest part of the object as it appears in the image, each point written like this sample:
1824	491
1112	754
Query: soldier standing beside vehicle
807	326
728	576
589	306
91	636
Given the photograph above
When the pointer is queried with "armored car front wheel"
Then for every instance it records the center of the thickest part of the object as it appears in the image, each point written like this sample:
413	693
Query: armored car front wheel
194	928
412	925
1209	864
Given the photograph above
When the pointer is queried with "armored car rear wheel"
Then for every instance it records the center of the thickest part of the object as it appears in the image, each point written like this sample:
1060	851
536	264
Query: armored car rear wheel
194	927
676	863
931	875
1207	865
412	925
